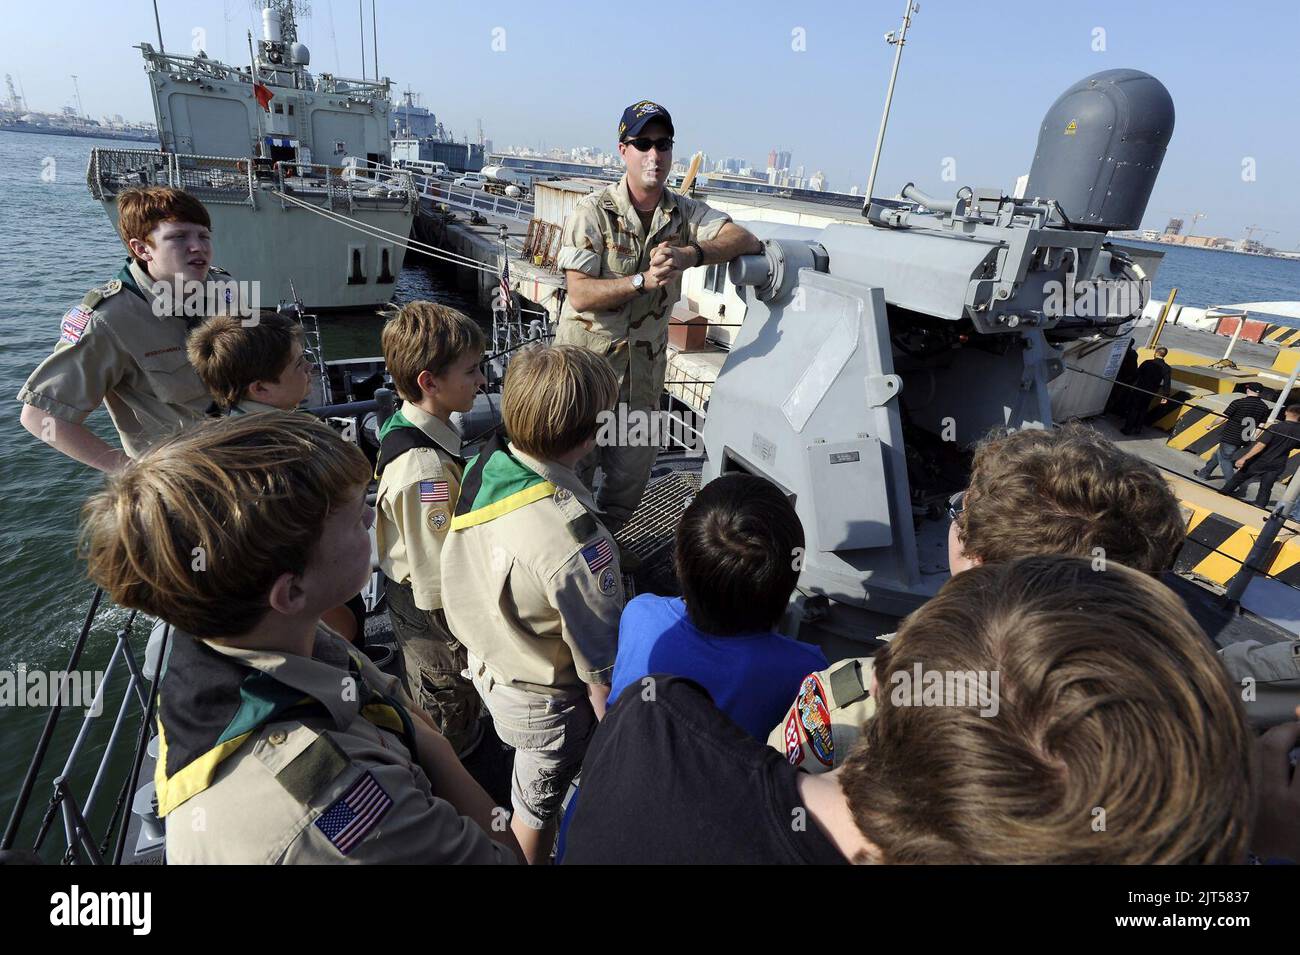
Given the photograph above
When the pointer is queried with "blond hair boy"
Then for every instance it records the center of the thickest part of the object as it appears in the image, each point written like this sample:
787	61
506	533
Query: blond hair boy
531	580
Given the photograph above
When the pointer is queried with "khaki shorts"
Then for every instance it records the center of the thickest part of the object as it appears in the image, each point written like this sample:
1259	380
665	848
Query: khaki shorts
550	738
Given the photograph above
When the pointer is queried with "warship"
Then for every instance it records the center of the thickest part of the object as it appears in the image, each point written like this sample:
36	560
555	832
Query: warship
865	359
265	146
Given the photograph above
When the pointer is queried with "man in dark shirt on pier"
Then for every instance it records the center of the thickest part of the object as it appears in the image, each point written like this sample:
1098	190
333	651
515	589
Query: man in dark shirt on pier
1152	377
1266	460
1244	417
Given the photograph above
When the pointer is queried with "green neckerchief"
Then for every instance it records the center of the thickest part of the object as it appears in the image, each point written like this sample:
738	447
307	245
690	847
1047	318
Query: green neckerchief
496	483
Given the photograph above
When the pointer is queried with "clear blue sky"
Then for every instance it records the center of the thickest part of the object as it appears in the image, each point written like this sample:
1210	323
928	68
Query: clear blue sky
975	82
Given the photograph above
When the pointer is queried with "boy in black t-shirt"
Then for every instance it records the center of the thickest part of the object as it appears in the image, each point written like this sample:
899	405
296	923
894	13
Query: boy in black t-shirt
1267	457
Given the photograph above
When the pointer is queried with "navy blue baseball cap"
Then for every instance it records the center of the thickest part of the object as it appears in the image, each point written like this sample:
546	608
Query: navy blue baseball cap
637	116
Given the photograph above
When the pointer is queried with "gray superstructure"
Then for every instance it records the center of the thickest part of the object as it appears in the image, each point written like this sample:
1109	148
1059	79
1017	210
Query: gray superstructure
871	354
286	178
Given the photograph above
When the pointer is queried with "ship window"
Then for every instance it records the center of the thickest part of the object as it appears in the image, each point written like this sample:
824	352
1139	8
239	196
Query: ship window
279	108
290	109
715	279
356	266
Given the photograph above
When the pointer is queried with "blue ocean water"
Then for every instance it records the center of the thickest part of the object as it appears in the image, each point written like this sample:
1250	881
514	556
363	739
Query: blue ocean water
1206	277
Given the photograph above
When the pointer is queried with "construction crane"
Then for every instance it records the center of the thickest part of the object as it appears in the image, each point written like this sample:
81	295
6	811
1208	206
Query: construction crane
81	111
1245	245
1182	217
15	102
1252	229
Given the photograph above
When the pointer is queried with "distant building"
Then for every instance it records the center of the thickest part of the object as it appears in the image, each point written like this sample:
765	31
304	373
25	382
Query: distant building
1175	227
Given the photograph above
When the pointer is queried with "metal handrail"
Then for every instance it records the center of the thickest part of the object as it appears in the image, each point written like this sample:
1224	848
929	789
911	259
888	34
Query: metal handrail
63	799
311	181
208	67
477	200
437	189
214	179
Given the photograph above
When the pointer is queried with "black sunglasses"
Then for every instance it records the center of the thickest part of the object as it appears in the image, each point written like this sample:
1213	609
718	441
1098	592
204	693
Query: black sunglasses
643	143
956	504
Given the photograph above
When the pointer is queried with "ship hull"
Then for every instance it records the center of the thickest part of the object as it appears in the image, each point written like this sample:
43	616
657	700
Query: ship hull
275	244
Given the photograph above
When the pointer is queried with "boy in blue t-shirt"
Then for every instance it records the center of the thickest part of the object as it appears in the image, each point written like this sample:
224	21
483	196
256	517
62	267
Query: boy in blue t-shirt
737	550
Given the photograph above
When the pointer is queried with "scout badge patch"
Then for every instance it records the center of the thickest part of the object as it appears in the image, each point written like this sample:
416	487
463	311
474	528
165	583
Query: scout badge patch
74	324
355	813
815	719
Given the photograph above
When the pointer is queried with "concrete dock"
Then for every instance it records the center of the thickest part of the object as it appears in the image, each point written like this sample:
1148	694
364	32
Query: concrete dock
478	236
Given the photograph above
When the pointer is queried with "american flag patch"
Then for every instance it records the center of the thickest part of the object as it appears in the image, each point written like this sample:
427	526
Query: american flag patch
347	821
598	555
74	323
433	492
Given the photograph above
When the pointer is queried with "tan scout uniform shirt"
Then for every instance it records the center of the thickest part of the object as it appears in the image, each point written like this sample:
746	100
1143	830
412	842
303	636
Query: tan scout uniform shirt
114	349
417	494
248	814
603	238
249	406
521	596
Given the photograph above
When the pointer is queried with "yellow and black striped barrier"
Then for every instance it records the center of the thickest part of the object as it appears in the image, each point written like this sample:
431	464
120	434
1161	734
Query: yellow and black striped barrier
1282	335
1215	547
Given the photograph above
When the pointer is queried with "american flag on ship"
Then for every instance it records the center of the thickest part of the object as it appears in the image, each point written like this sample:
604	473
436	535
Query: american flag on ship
433	492
598	555
353	815
508	302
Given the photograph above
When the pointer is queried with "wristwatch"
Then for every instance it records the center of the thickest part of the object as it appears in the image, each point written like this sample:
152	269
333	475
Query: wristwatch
638	281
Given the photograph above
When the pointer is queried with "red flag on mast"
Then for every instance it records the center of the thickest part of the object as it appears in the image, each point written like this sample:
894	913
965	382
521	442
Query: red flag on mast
263	95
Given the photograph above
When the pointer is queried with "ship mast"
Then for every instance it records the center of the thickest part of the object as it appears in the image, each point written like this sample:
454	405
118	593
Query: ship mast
897	40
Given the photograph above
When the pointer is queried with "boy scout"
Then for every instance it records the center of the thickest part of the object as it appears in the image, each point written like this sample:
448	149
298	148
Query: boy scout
262	366
124	344
254	367
531	582
433	354
623	251
278	743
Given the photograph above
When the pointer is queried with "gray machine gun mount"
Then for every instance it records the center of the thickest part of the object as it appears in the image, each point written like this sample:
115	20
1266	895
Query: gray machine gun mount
872	357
